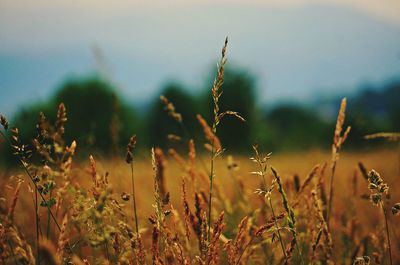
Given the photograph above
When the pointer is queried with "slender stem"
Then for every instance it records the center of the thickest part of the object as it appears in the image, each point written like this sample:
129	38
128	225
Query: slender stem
277	229
48	224
211	188
329	211
290	213
264	183
299	251
37	227
134	201
48	220
42	197
36	187
34	183
387	232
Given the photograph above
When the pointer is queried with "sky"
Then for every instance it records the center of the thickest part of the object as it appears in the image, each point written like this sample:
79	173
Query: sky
297	50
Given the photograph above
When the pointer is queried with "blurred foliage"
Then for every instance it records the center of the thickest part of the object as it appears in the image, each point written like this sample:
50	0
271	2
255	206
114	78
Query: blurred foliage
97	117
374	110
292	127
100	121
160	124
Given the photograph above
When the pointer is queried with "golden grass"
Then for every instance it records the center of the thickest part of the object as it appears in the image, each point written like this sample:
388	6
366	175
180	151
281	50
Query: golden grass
367	218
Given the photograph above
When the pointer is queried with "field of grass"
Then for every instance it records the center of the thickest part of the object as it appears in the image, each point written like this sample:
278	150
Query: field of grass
199	204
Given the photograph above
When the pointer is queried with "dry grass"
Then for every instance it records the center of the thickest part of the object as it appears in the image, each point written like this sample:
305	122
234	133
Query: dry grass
355	224
176	209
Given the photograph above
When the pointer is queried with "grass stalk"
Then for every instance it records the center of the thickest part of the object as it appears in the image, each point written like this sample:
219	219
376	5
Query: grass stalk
291	217
134	202
328	213
338	140
129	159
277	230
37	227
262	163
216	94
211	189
387	232
34	183
263	167
48	220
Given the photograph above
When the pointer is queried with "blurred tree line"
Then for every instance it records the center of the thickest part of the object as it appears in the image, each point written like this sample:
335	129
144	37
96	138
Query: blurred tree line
100	120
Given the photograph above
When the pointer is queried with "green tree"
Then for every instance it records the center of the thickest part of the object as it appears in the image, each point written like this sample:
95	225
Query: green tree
160	124
393	99
97	118
292	127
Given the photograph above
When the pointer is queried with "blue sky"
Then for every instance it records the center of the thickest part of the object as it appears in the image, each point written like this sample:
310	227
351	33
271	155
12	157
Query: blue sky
298	50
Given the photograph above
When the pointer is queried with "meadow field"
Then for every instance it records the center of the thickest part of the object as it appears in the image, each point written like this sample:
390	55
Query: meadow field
198	203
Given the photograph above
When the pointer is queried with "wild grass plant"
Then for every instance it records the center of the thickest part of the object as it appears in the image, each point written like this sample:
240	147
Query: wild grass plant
207	210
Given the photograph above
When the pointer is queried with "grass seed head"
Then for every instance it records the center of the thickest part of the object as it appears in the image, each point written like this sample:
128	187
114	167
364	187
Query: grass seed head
390	136
377	187
61	119
209	134
170	109
4	122
364	260
396	209
129	149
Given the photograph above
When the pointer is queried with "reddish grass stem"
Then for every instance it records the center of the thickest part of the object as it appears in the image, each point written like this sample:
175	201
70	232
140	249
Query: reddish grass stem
387	232
134	201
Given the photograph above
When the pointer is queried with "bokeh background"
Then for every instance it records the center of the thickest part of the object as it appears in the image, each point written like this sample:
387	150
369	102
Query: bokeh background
289	64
